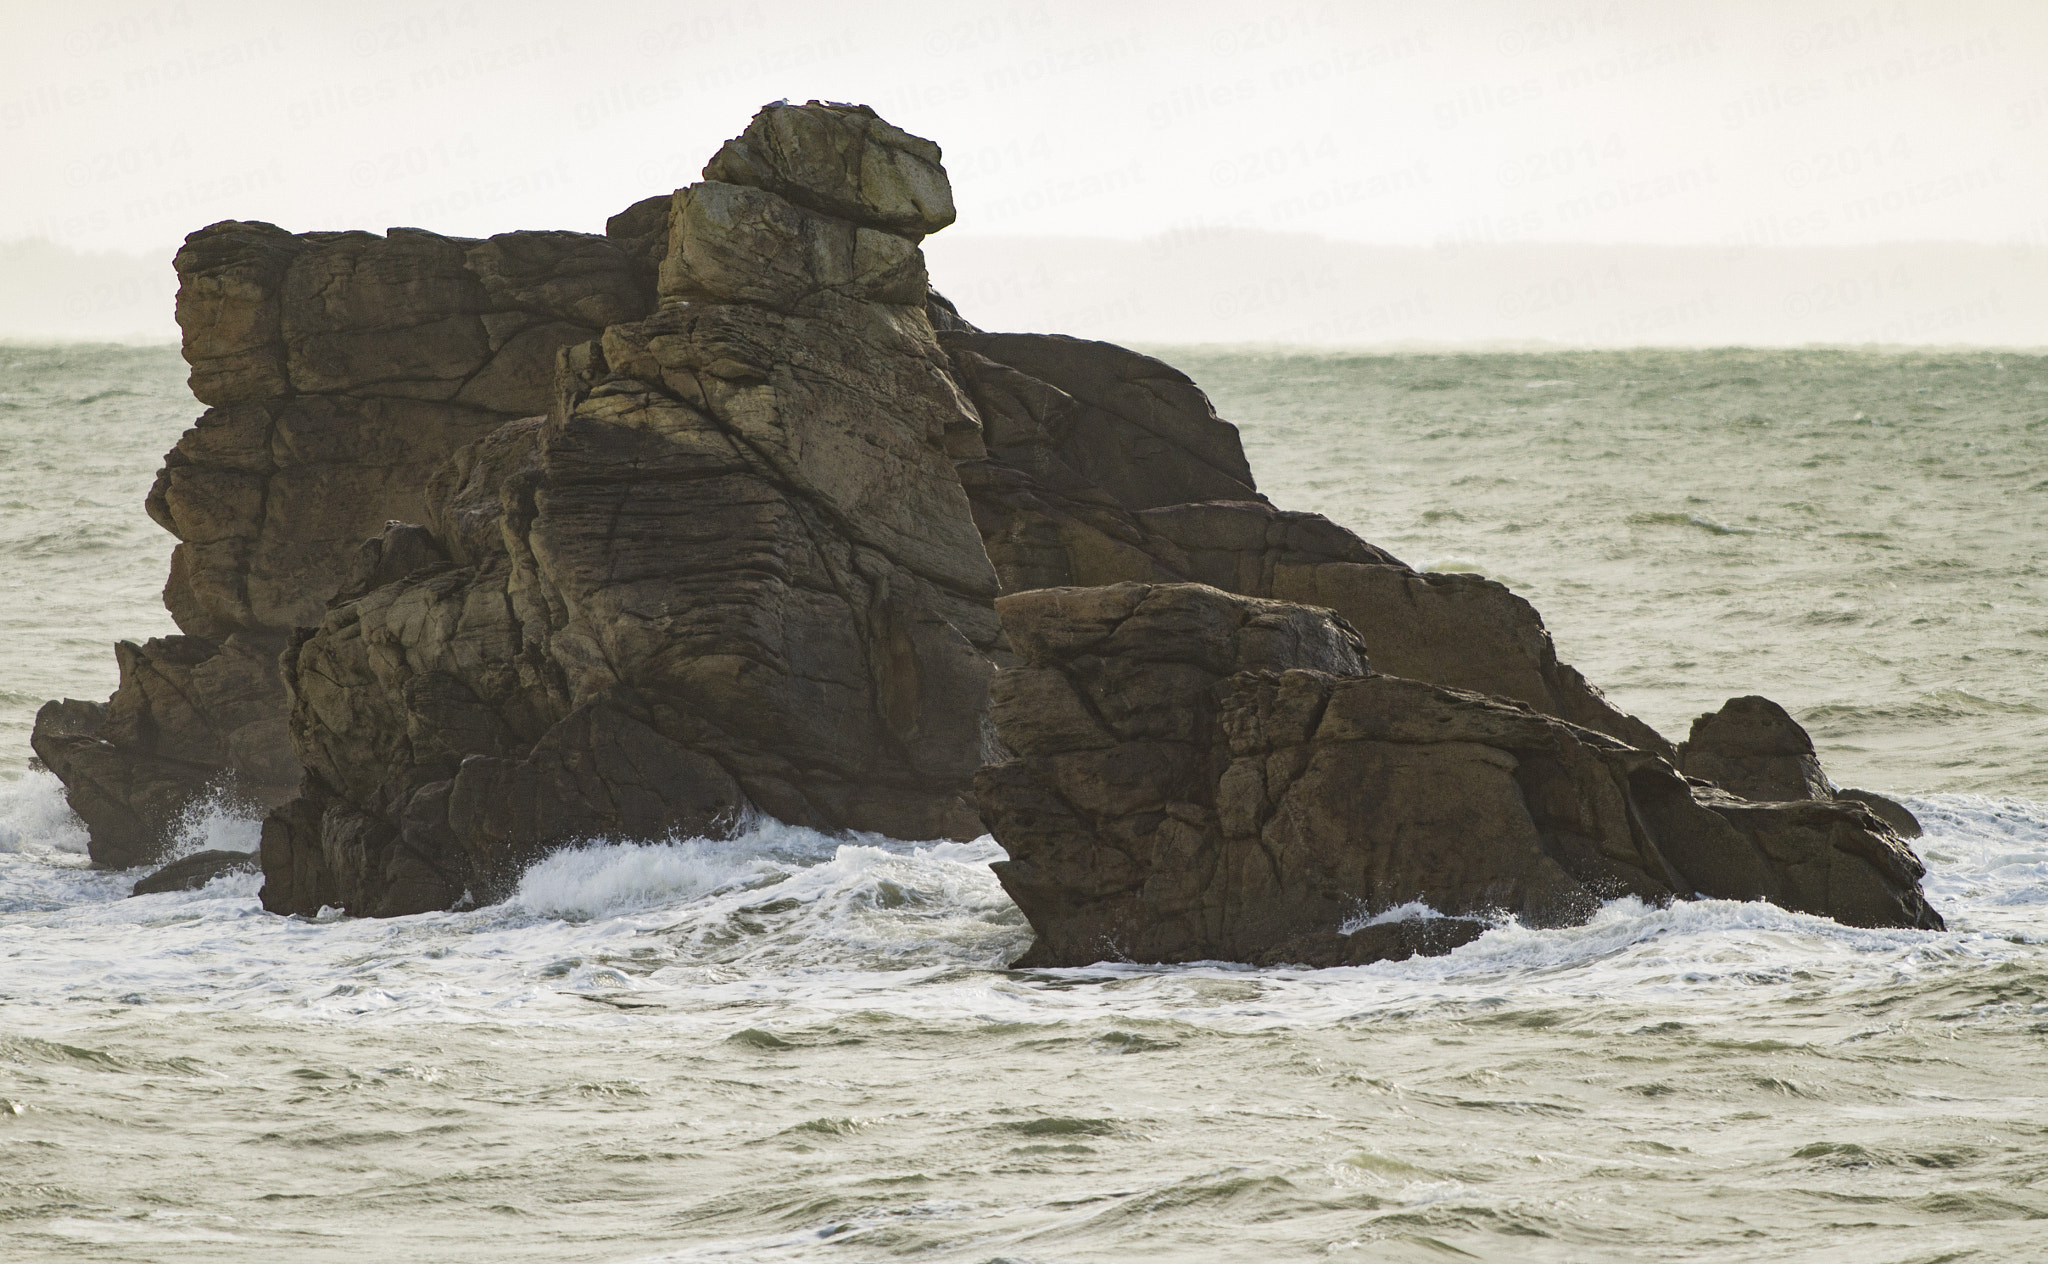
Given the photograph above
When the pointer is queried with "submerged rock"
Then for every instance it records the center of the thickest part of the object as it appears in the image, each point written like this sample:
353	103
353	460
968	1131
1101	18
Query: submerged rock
1200	775
195	871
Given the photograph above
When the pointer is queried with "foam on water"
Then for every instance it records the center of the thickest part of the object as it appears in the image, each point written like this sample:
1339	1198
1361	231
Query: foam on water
217	822
812	1042
788	1045
824	926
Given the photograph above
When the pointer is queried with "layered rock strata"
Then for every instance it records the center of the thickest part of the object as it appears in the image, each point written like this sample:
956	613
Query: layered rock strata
1200	775
340	370
733	569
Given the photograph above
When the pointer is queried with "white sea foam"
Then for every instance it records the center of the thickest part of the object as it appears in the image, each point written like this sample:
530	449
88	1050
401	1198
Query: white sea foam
820	925
1412	911
34	817
217	822
600	880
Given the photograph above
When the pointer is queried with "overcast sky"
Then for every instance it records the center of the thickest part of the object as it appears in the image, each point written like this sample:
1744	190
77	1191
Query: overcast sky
124	126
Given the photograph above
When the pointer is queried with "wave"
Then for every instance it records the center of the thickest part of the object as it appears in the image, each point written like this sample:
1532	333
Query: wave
1699	521
824	926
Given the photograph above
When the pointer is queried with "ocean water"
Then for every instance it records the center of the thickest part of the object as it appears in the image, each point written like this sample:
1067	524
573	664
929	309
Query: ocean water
787	1046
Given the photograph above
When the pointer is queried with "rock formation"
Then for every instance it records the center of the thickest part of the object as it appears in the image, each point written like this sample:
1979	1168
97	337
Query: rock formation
1753	749
732	569
491	547
340	370
1200	775
1106	466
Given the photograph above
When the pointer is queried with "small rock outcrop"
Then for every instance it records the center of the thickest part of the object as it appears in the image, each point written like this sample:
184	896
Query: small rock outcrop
1200	775
193	872
1754	749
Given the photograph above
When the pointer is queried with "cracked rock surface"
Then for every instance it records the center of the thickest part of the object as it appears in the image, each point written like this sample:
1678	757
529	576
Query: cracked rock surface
733	569
1200	775
341	370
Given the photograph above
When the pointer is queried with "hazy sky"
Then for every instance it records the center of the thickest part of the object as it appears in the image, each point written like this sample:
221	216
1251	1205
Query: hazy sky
124	126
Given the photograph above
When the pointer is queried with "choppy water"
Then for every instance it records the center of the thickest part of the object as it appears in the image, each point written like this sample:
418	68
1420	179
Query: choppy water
789	1046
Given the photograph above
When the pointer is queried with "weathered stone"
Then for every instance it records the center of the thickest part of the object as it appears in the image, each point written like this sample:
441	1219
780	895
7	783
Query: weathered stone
1890	811
1753	749
842	161
193	872
1462	632
490	547
192	720
230	278
734	568
344	368
1104	466
733	244
1202	775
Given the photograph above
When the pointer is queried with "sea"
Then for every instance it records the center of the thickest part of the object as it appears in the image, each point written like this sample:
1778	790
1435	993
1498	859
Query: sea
788	1046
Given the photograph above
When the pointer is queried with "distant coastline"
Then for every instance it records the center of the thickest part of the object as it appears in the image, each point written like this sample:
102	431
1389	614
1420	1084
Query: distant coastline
1260	290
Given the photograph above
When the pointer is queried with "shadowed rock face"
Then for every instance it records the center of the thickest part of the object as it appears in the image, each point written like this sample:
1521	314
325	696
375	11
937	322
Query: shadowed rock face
1200	775
1105	466
341	370
733	569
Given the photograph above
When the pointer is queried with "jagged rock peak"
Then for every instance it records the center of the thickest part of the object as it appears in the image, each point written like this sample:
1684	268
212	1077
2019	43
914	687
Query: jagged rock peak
841	160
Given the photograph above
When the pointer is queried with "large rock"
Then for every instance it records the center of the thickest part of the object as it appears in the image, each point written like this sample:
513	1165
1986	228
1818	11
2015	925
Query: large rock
487	547
732	570
1104	466
342	369
1200	775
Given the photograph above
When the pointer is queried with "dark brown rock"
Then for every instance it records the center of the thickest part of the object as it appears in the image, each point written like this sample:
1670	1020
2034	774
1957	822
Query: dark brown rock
192	720
486	547
195	871
1105	466
733	569
342	370
1202	775
1753	749
841	161
1890	811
